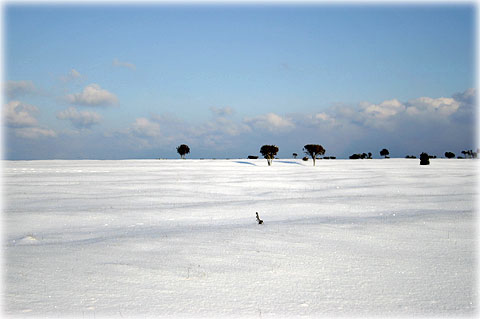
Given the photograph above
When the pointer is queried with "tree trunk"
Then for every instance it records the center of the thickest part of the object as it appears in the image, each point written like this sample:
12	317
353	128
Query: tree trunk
313	158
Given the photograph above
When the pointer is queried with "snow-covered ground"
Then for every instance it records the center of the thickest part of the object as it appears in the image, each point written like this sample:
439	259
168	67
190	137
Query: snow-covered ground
177	238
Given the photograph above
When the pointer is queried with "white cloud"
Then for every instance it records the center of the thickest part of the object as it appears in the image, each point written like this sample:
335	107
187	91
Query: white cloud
383	110
72	75
34	132
468	107
342	129
93	95
145	127
19	88
75	74
18	114
468	96
221	128
128	65
391	114
322	118
20	119
165	129
271	122
443	106
80	119
222	111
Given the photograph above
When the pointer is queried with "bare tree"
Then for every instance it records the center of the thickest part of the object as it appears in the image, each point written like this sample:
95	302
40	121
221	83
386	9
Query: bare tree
313	150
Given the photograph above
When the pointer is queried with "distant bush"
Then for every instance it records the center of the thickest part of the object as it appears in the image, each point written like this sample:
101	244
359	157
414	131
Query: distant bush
252	157
424	159
294	155
355	156
305	158
469	154
410	156
449	155
183	150
432	156
384	152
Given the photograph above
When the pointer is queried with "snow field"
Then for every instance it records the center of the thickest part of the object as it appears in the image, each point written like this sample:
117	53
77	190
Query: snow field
179	238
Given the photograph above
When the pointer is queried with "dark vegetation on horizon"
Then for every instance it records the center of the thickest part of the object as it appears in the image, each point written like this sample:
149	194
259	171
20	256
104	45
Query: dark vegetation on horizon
269	152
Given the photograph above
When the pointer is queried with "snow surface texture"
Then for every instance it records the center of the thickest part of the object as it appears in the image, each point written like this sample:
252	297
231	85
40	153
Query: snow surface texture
149	238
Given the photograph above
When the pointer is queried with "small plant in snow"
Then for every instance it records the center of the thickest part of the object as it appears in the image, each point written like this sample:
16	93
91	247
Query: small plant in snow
259	221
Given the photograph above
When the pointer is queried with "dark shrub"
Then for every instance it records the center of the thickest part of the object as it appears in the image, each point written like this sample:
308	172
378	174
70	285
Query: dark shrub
305	158
252	157
355	156
183	150
449	155
424	159
385	153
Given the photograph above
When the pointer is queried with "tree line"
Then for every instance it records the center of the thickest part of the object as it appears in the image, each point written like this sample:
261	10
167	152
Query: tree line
269	152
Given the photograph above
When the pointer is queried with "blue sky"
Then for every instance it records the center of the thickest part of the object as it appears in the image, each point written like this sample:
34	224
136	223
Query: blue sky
125	81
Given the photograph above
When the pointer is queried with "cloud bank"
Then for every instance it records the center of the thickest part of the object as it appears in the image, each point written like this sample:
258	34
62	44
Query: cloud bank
420	124
424	124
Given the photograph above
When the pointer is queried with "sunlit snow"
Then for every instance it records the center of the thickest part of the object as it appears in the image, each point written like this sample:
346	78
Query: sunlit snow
180	238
